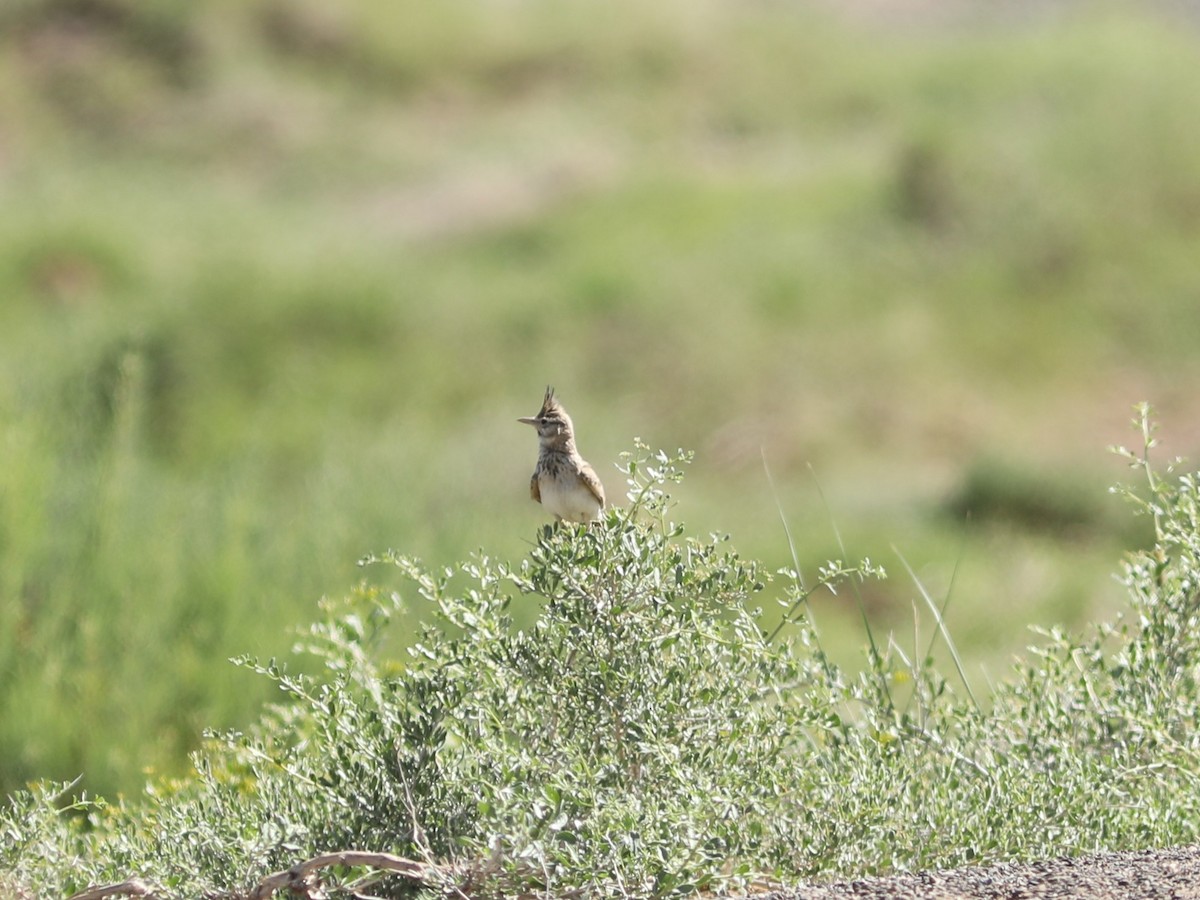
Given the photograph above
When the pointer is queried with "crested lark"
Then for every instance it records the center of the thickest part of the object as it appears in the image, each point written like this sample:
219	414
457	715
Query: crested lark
563	482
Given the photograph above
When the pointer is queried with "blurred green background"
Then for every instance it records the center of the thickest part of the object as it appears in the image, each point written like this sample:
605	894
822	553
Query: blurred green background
277	277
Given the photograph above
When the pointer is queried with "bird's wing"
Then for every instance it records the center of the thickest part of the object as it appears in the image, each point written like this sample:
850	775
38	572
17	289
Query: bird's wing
534	491
589	477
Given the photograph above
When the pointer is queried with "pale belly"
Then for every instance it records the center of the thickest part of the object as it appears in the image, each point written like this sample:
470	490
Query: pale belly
573	502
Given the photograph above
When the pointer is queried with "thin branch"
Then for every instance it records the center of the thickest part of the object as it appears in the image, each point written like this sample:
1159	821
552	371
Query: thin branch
134	887
298	878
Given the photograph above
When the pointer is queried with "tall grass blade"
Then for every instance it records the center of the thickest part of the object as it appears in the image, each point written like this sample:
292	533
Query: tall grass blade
876	656
941	624
799	575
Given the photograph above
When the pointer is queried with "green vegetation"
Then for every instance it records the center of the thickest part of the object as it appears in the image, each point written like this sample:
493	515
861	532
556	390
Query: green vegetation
276	278
647	735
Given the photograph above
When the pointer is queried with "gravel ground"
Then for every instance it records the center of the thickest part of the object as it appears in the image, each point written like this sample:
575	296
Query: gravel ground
1145	875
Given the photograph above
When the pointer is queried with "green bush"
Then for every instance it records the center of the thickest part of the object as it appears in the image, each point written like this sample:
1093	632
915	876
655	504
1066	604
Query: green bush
648	735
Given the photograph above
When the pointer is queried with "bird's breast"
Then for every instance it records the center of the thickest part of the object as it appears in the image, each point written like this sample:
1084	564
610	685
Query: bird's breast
567	497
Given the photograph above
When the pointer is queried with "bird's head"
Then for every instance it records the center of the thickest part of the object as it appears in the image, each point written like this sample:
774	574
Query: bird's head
552	422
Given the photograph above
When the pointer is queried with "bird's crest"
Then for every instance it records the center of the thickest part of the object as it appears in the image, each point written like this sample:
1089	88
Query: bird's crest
550	403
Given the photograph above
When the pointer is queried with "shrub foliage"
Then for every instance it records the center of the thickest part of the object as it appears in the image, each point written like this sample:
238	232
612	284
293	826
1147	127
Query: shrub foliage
649	735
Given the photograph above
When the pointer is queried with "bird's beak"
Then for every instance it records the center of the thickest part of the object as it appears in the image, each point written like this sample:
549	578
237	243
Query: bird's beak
528	420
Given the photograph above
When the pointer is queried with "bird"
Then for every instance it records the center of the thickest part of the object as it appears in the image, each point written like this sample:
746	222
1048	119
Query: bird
563	481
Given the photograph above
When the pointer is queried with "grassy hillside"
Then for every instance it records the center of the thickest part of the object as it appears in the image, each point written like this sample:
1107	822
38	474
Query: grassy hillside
276	279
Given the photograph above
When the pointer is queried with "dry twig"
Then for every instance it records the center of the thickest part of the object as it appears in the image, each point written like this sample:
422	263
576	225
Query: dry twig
134	887
299	878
